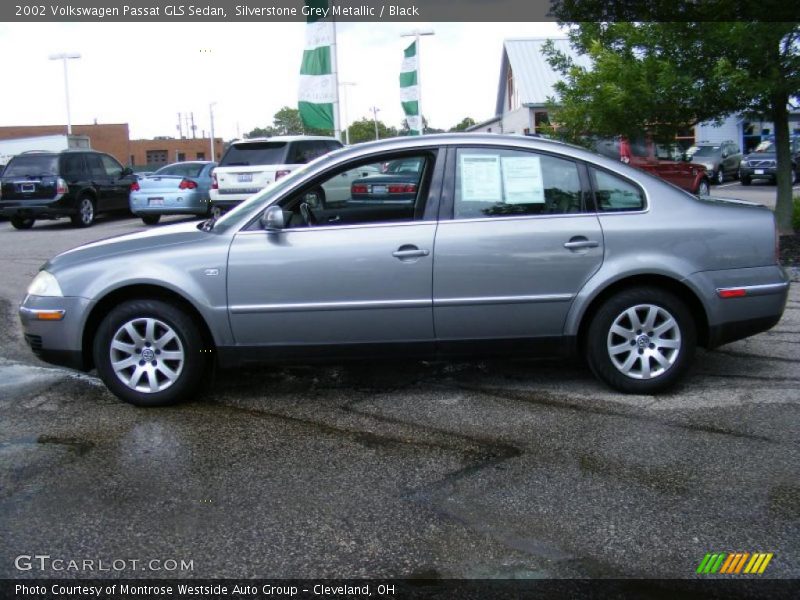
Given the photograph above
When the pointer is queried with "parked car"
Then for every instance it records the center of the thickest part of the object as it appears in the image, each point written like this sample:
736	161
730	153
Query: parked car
660	160
396	183
72	183
248	166
762	163
513	245
721	159
177	189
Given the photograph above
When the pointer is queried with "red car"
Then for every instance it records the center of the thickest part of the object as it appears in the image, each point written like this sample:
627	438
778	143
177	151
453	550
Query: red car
661	161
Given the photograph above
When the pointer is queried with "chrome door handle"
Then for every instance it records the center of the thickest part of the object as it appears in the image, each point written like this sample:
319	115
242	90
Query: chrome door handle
581	244
410	253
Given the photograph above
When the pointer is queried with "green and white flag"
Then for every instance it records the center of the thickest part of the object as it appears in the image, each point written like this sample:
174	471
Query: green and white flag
409	90
318	94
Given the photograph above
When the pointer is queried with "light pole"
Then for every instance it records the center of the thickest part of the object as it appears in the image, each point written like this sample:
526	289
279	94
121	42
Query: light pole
344	84
416	35
375	110
211	113
64	57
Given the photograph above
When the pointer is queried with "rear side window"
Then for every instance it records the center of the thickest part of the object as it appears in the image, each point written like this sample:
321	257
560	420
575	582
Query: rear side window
32	165
72	166
614	194
304	152
507	183
255	153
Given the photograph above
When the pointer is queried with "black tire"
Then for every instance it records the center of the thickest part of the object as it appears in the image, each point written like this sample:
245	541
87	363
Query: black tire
22	222
745	179
188	374
719	176
87	211
215	211
151	219
601	340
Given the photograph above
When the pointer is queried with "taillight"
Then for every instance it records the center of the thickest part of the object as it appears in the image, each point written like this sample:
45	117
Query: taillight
187	184
358	188
135	186
214	182
279	174
404	188
61	186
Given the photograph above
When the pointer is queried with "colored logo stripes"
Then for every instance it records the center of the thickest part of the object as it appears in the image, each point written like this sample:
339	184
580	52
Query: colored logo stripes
734	563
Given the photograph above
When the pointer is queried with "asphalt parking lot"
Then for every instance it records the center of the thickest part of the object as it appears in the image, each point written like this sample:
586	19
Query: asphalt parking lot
510	468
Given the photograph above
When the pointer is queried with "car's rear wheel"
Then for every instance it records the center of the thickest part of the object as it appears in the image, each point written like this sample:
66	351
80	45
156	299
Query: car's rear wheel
641	340
22	222
148	353
745	179
151	219
86	212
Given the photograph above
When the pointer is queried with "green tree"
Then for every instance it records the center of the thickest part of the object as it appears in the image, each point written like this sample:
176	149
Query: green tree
364	131
261	132
465	122
405	129
651	74
286	122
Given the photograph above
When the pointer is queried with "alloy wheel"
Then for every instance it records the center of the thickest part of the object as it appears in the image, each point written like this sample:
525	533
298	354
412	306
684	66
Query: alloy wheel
644	341
147	355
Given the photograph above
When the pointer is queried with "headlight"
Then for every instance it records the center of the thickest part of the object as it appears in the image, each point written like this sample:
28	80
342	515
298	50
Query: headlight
44	284
743	163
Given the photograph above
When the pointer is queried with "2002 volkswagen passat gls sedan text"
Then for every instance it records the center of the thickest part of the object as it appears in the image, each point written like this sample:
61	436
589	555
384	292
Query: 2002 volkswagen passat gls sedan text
511	244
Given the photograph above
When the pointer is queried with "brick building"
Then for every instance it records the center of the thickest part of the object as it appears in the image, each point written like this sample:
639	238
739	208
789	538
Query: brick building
114	138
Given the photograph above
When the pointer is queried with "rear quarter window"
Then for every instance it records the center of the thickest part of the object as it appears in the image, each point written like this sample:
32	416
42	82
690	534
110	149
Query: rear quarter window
615	194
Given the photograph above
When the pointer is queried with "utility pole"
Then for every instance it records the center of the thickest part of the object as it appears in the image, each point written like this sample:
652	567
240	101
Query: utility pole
211	113
416	35
64	57
180	126
375	110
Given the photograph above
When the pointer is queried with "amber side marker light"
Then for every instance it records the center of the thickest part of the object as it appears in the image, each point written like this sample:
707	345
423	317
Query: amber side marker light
49	315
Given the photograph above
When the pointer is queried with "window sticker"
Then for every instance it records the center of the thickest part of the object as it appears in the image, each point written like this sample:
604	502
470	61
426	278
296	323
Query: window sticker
480	178
522	180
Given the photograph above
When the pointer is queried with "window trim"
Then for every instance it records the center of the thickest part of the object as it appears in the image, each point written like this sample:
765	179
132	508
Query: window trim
447	202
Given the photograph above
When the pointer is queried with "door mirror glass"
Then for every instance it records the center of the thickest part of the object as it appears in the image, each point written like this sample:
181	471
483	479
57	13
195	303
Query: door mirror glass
272	219
126	172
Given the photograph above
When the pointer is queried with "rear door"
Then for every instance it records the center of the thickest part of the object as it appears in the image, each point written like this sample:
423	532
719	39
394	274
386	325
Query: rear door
516	244
101	182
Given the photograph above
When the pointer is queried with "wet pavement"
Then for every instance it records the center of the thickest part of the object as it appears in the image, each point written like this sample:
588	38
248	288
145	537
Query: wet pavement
412	469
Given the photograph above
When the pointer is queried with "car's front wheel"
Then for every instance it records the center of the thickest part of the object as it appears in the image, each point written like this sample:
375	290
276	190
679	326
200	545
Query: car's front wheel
149	353
86	213
720	176
641	340
22	222
702	188
745	179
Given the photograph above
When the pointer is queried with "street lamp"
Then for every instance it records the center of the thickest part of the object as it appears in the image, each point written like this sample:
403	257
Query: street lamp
64	57
375	110
344	84
211	112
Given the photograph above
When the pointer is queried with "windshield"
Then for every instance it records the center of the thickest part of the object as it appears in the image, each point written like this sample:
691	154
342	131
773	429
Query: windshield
765	146
255	153
32	166
702	151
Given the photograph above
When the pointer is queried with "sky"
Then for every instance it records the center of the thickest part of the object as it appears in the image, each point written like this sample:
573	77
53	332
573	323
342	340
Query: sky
144	74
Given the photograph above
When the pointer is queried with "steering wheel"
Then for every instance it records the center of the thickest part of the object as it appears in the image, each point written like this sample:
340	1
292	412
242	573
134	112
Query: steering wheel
308	215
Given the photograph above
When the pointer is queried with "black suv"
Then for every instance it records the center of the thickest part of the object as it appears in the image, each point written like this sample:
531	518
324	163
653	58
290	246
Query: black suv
73	183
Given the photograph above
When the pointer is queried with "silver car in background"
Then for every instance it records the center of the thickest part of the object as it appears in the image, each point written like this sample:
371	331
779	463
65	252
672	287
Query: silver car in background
512	245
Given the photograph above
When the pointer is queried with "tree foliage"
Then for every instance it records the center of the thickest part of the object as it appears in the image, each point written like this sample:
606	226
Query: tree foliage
665	76
364	131
463	125
286	122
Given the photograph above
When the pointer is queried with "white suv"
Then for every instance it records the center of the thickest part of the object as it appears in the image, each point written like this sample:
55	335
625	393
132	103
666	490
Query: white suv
248	166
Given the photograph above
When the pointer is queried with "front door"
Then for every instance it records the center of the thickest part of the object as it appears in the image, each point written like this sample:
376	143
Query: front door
520	245
337	274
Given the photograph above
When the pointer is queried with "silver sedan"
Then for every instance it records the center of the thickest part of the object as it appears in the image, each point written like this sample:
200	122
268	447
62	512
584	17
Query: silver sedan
512	245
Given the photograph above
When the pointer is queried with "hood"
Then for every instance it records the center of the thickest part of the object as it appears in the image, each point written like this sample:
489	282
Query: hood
760	156
145	241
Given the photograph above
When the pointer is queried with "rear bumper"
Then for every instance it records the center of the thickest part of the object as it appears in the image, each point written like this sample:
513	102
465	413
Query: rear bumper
37	209
765	292
174	203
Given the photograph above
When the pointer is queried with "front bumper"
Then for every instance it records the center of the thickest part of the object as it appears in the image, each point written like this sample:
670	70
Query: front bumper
757	172
57	342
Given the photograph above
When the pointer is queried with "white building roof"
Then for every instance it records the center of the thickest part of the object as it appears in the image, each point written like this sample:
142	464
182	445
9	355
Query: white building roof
533	75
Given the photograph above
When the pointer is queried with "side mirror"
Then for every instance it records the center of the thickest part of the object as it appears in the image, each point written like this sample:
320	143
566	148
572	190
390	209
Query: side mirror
725	154
272	219
126	171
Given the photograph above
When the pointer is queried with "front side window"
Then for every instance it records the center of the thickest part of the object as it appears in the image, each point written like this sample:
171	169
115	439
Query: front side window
614	194
505	183
112	167
360	193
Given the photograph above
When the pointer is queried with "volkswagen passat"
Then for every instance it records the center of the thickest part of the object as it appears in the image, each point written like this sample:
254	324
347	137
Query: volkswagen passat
511	245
